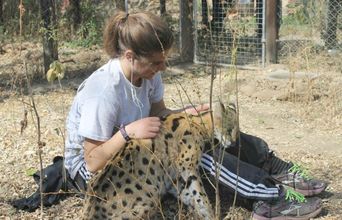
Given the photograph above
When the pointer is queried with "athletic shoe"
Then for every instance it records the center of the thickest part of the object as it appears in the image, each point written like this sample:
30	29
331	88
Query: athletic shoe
287	207
297	178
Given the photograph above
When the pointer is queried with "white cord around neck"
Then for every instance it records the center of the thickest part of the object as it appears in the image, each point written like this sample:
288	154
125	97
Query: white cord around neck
135	99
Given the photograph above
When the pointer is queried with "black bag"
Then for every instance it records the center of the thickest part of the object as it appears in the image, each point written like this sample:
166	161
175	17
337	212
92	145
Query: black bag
53	183
255	151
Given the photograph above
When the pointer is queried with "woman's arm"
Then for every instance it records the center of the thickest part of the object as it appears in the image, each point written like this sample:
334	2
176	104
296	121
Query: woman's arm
97	153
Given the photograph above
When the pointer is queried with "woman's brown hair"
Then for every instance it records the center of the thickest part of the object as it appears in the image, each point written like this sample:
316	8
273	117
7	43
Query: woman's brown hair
142	32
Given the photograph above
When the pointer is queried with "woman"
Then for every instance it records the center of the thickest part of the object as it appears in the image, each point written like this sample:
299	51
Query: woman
123	99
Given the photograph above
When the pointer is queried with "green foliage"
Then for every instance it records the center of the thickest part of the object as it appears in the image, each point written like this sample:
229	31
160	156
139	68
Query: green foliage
88	33
56	71
302	12
30	171
90	29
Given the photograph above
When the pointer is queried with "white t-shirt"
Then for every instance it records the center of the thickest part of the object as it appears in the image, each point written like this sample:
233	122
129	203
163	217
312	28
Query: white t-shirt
104	101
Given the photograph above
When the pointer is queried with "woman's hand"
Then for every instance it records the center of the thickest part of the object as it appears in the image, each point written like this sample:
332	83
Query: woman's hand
196	110
144	128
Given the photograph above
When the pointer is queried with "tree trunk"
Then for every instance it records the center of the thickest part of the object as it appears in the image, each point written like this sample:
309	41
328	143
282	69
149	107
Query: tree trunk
162	7
75	13
50	46
186	31
1	13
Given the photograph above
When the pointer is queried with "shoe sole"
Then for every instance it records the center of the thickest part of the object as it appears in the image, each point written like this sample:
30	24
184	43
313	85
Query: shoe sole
310	192
303	217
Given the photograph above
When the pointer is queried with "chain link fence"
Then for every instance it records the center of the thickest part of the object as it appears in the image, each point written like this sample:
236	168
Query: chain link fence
222	26
233	31
313	24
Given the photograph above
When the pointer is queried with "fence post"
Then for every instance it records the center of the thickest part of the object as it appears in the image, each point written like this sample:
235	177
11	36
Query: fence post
50	44
271	31
186	41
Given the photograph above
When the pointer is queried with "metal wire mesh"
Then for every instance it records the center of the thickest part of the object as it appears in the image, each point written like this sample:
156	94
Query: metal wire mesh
223	26
310	23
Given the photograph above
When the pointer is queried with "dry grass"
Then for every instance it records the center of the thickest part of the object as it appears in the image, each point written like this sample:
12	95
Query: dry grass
308	131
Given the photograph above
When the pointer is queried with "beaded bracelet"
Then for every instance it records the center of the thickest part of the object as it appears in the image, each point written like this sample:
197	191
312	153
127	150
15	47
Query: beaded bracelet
124	133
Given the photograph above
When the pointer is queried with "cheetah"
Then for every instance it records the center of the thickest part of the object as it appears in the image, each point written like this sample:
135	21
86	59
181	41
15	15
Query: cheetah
133	182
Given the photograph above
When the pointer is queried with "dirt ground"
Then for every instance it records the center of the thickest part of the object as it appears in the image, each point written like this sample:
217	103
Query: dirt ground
295	108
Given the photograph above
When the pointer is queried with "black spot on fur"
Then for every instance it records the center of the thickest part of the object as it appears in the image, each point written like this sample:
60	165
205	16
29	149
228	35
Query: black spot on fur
128	181
139	199
127	157
120	164
101	179
105	186
184	141
138	148
151	170
121	174
128	191
118	185
148	181
114	172
124	203
168	136
167	150
141	173
163	118
189	146
114	206
145	161
138	186
194	192
153	147
190	180
148	194
181	181
97	208
187	133
175	124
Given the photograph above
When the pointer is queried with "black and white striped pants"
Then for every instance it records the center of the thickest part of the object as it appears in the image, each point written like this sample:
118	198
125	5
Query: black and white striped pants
251	182
256	166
